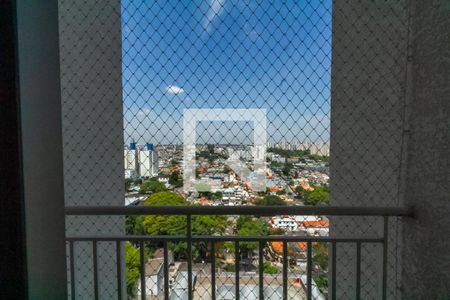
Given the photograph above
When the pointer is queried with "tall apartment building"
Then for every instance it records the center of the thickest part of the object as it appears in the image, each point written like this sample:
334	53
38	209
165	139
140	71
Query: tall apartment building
140	161
147	162
130	162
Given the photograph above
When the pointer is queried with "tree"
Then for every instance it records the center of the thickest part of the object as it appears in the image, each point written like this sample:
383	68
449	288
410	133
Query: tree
298	153
203	189
165	225
270	269
176	225
175	180
247	226
174	162
287	169
322	282
301	192
276	231
319	194
270	200
207	225
211	148
134	225
230	268
128	183
152	186
217	196
132	263
320	254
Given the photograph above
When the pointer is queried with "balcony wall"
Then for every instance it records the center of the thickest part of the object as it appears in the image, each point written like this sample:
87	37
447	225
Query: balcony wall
390	134
369	64
91	94
426	251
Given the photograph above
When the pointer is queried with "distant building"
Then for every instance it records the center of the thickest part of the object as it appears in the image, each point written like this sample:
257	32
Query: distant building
140	161
130	161
315	228
163	179
148	162
293	159
248	291
130	174
234	195
278	158
229	196
179	289
284	222
154	274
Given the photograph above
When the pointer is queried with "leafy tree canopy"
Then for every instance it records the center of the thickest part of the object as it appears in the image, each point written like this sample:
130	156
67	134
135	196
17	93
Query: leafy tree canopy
132	263
152	186
270	200
165	225
320	254
175	179
270	268
298	153
176	225
217	195
248	226
319	194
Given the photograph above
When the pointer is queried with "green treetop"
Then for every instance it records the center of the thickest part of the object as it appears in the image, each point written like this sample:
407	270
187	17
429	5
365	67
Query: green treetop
320	194
152	186
176	225
270	200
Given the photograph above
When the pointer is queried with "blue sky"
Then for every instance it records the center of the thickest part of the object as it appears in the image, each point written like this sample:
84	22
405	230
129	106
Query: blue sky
226	54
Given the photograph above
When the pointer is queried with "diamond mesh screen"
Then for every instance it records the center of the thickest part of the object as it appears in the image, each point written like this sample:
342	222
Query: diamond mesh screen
323	72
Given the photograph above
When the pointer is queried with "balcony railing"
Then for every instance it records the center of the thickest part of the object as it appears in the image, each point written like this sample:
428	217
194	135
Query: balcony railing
188	211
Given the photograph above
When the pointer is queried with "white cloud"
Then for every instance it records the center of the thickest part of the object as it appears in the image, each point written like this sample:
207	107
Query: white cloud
144	112
173	89
215	9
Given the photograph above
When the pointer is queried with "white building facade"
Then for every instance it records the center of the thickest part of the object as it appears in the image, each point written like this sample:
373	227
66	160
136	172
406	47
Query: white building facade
140	161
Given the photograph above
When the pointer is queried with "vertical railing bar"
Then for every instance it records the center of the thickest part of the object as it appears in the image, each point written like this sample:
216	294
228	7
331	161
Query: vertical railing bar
358	270
95	266
333	271
236	269
189	249
213	271
309	271
261	269
142	267
72	271
385	250
119	270
285	271
166	271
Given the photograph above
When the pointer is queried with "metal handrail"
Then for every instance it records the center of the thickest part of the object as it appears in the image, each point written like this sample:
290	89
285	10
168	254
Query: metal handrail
241	210
189	238
225	238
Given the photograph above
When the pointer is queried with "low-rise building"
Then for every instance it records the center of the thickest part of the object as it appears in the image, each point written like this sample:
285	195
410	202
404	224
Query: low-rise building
284	222
315	227
154	274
